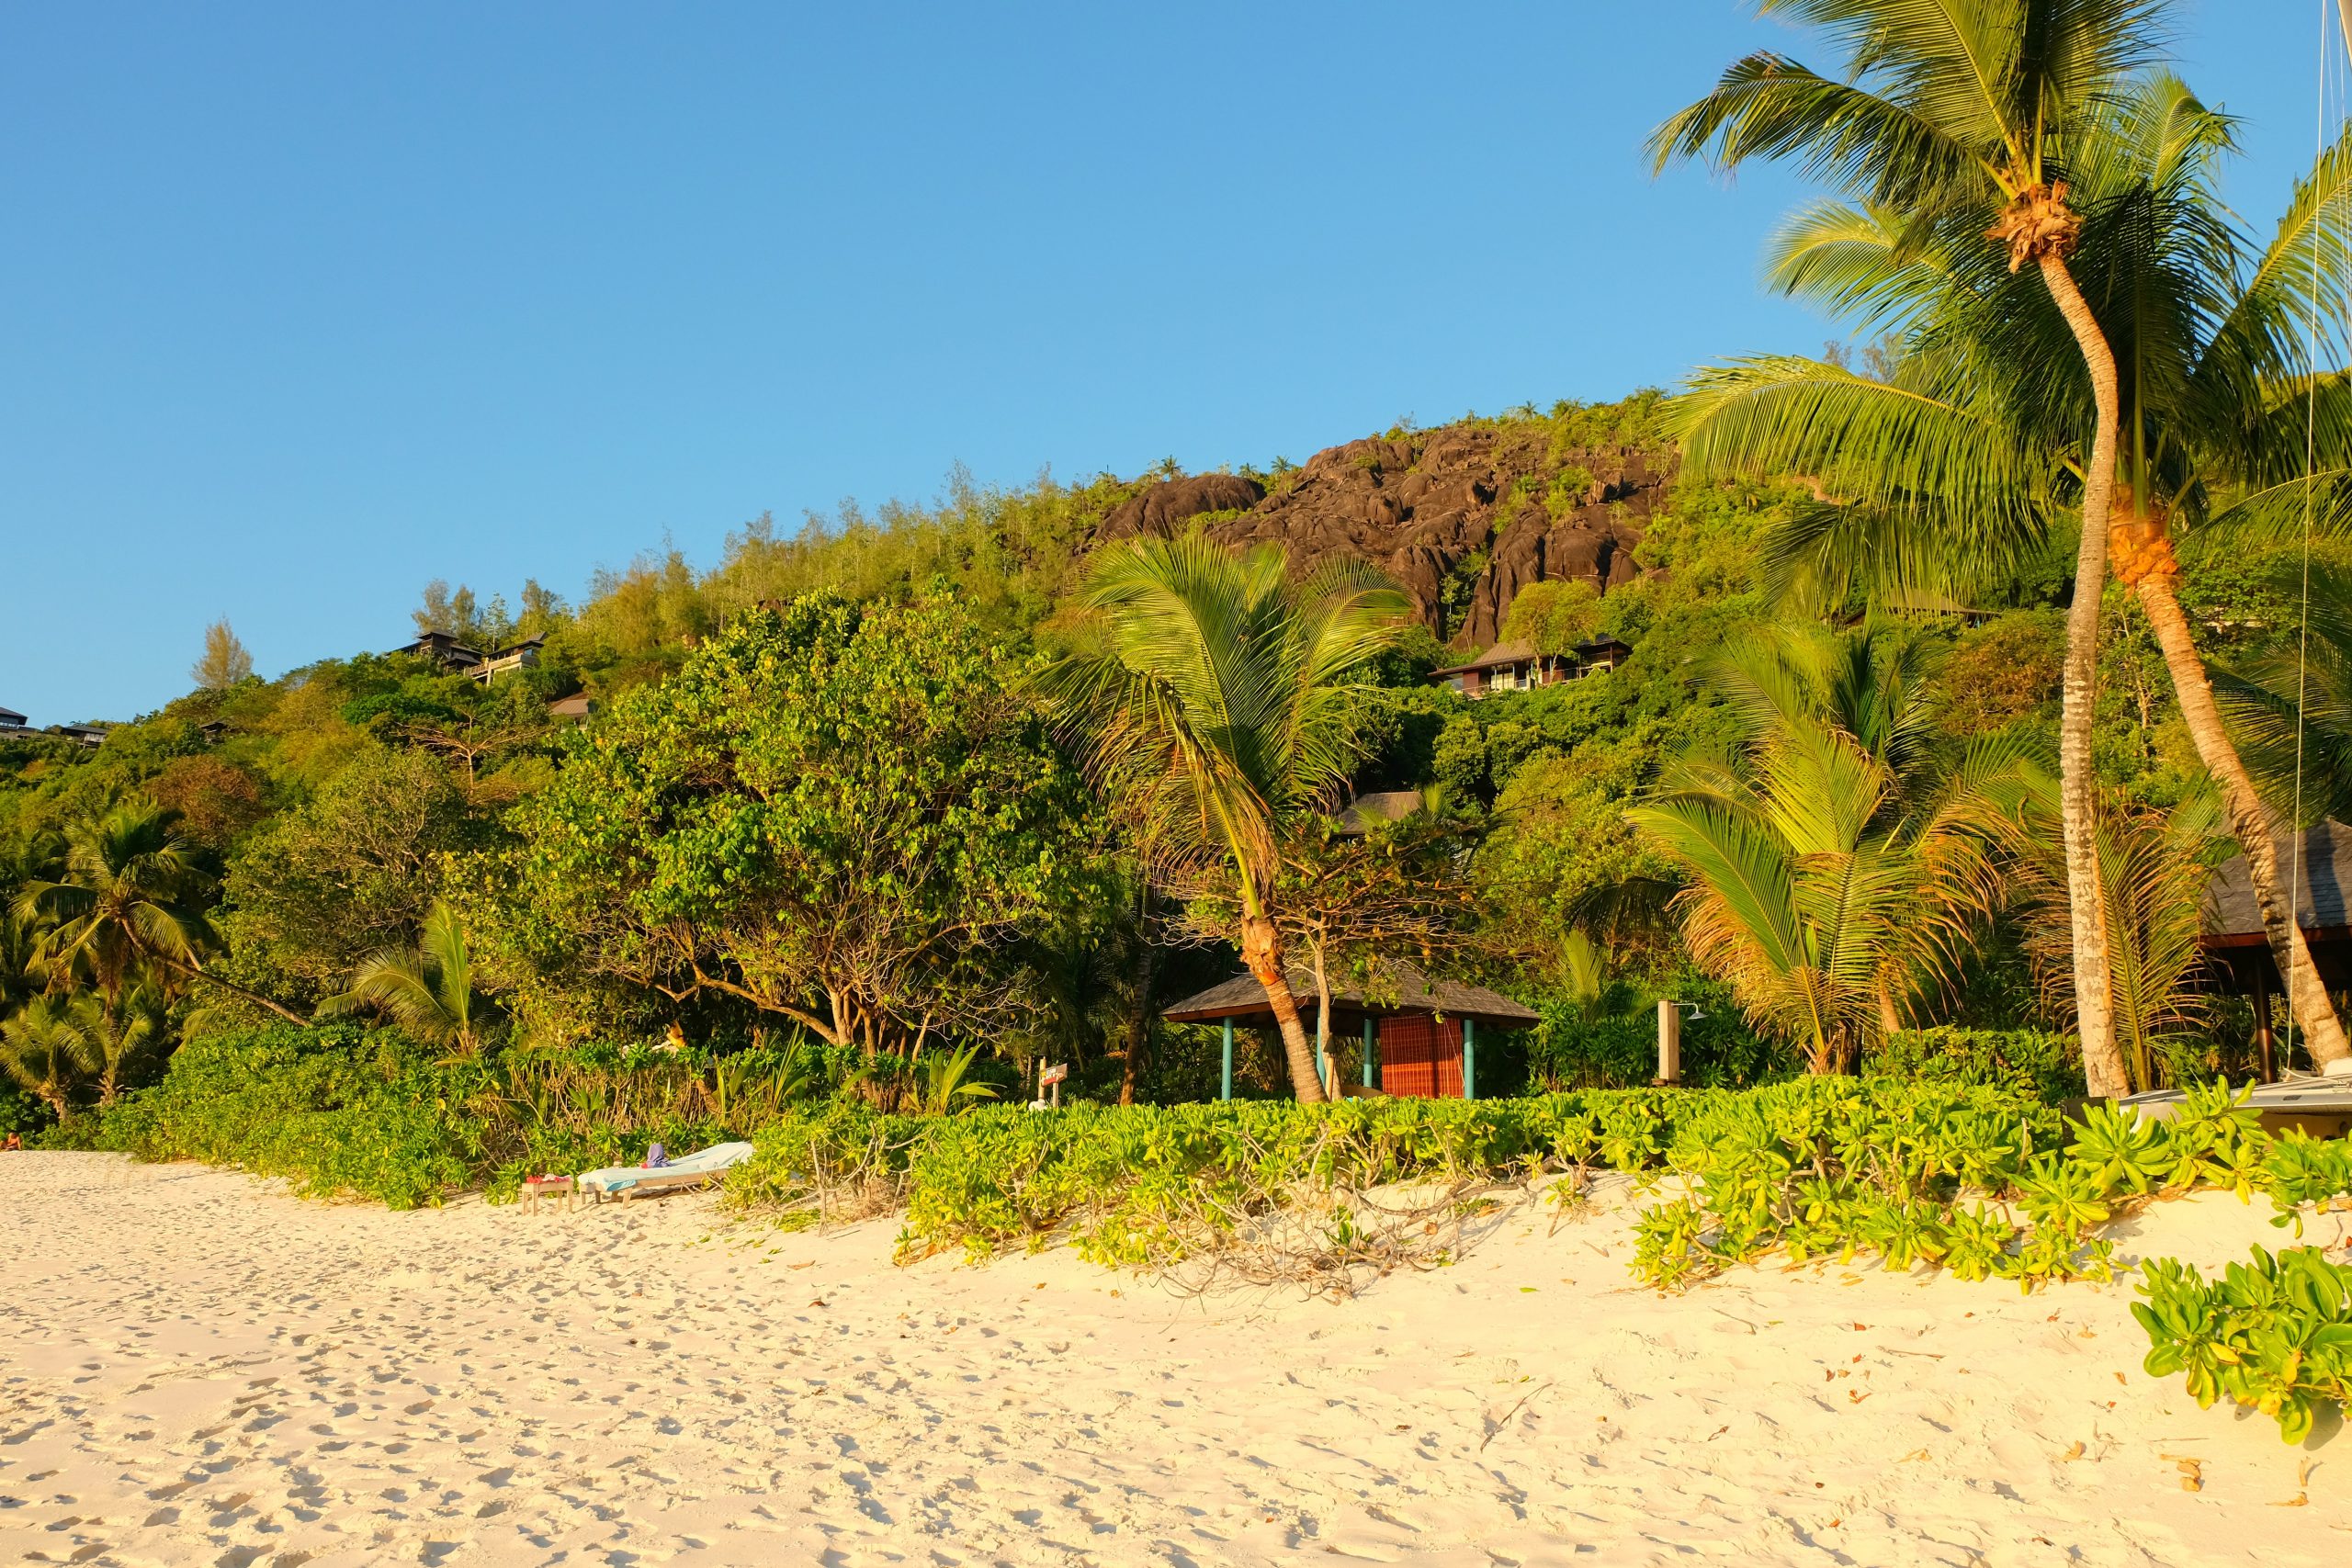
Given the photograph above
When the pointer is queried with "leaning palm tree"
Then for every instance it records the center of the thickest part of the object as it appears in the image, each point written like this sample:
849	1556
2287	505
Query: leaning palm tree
1217	715
44	1052
2216	414
427	989
1836	861
127	902
1966	118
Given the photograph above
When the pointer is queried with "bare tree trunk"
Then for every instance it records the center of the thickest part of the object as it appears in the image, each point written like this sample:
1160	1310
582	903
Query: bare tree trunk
1139	1020
2306	994
1258	951
1326	1074
2103	1065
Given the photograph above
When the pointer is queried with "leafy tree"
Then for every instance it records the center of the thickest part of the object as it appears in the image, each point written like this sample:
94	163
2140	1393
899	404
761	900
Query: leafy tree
117	1037
2293	705
1218	718
484	628
2154	866
837	814
1357	907
225	661
2211	390
1554	616
1965	122
353	869
1836	858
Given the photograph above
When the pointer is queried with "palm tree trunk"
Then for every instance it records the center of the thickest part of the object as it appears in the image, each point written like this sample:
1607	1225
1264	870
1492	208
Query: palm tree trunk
1258	951
2306	994
288	1014
2103	1067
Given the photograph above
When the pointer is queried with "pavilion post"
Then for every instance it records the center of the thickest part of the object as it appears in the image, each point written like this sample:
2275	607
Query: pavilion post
1469	1058
1368	1048
2262	1041
1224	1086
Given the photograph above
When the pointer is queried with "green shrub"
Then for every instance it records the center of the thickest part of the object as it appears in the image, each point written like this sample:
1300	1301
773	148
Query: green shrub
344	1110
336	1110
1149	1184
2274	1334
2047	1066
1570	1048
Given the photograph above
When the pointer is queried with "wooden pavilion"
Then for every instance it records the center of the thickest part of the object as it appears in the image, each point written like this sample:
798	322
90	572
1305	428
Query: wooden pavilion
1420	1042
2317	863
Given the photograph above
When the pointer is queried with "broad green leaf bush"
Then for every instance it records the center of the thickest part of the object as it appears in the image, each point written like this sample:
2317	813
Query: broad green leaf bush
348	1111
2274	1334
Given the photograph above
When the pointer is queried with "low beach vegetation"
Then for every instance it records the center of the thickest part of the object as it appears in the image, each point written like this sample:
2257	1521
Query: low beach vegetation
1968	1170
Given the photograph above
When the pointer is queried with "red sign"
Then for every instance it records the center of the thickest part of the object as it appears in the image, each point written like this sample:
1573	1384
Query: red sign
1053	1075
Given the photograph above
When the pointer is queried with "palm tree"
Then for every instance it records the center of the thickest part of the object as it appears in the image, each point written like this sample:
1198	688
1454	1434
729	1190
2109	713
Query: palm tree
129	899
118	1034
1835	859
427	989
1217	715
44	1052
1965	118
2213	406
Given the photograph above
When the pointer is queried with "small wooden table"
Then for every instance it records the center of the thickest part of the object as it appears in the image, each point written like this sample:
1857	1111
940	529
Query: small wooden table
558	1186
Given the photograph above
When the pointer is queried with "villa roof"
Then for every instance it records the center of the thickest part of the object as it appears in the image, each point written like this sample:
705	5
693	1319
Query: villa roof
2232	918
11	716
1379	806
1504	654
1495	657
1243	998
442	644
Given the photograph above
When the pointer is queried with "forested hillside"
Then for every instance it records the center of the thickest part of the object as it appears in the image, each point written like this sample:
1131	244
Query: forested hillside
815	796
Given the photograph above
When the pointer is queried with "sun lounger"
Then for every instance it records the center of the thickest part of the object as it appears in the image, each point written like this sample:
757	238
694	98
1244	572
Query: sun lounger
628	1181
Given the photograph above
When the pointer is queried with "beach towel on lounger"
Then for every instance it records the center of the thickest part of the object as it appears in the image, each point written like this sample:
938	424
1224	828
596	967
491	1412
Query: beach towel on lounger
684	1172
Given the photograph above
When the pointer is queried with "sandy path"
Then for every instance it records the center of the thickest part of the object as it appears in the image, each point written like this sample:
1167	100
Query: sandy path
194	1369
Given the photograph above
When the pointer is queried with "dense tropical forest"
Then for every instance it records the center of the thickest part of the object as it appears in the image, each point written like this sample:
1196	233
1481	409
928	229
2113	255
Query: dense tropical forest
824	797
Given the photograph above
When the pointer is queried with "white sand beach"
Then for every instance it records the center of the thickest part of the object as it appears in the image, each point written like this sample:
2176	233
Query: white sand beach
199	1370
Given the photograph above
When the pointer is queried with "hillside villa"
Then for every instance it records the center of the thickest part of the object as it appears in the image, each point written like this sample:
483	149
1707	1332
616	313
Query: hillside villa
1516	667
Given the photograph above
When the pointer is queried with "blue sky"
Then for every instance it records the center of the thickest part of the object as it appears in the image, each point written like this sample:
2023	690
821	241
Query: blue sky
304	306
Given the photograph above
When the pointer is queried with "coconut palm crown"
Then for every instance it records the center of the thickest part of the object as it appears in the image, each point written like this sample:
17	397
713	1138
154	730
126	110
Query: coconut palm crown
1837	860
1216	711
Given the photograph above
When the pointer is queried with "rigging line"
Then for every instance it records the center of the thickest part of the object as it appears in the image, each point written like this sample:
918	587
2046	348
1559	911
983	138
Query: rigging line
2310	481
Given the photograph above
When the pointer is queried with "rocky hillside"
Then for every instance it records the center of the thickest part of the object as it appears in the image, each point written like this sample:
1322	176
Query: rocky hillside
1463	517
